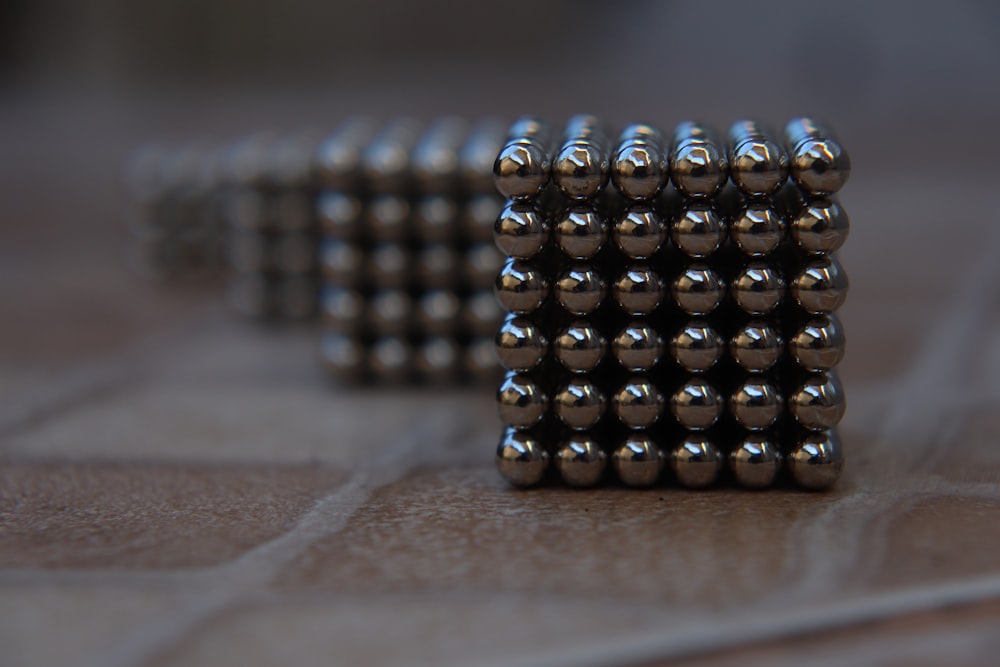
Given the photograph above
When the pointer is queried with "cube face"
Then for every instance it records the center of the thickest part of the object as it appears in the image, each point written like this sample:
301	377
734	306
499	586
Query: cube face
672	306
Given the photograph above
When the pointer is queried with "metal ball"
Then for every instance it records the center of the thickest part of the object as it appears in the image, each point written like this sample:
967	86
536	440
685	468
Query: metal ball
520	230
390	312
339	214
247	209
297	296
521	459
696	462
389	266
337	159
481	313
698	165
816	463
758	289
475	158
581	232
639	290
385	162
437	265
579	405
758	165
697	231
580	461
756	347
579	347
342	356
435	219
637	347
821	226
251	252
640	232
480	362
698	290
580	289
438	311
638	403
756	405
581	169
342	310
818	163
697	347
521	170
388	218
520	287
819	403
438	360
295	252
390	360
755	462
251	295
758	229
697	405
520	402
293	211
638	461
639	168
819	345
478	216
821	287
480	264
435	157
520	345
340	262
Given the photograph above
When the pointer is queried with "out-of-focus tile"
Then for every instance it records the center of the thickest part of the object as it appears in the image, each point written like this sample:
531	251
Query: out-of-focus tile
56	516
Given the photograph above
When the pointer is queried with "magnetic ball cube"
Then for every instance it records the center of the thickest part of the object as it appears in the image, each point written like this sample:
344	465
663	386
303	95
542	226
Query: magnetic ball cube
671	304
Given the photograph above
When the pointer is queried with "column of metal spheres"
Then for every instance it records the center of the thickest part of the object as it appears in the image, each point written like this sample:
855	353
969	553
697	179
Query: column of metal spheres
172	213
406	255
670	305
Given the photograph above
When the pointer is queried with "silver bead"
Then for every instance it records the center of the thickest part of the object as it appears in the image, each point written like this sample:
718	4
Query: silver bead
697	405
343	357
390	360
638	460
339	214
639	168
437	265
756	405
297	296
295	252
579	289
385	163
520	344
338	158
758	165
521	459
250	295
342	310
480	264
638	403
579	347
249	252
640	232
697	230
819	345
821	287
580	461
388	266
819	403
390	312
581	167
520	402
755	462
522	168
758	228
816	463
520	287
481	313
580	232
475	158
579	405
387	218
438	360
477	217
639	290
438	311
698	290
637	347
435	219
520	230
697	162
480	362
697	347
821	226
293	210
756	347
818	163
435	156
758	289
696	462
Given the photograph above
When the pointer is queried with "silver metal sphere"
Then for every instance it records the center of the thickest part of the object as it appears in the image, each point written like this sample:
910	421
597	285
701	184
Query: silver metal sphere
697	230
480	363
437	265
756	404
697	405
758	165
639	167
638	461
388	266
580	289
698	290
339	214
640	232
251	252
391	360
638	403
478	215
816	463
481	313
579	405
520	230
343	357
580	461
755	462
639	290
438	311
295	252
520	287
819	404
821	287
637	347
338	158
818	163
697	347
521	170
579	347
521	459
758	228
756	347
520	402
475	158
696	462
387	218
438	360
819	345
435	157
698	166
580	232
821	226
435	219
480	264
581	169
758	289
390	312
520	344
342	310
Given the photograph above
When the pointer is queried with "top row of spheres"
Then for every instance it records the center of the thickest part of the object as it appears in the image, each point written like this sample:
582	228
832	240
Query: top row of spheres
697	163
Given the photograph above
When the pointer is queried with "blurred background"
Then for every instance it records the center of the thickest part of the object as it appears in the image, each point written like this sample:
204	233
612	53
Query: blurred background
912	89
